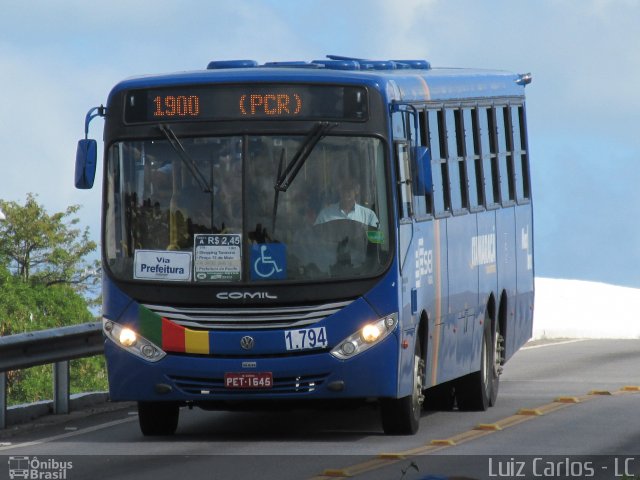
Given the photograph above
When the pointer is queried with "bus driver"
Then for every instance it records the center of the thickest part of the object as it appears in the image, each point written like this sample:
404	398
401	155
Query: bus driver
347	208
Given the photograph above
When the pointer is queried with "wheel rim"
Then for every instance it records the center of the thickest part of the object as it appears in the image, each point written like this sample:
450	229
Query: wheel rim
497	355
418	396
486	361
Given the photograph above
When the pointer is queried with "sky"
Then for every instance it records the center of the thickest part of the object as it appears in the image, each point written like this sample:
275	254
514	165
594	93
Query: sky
59	58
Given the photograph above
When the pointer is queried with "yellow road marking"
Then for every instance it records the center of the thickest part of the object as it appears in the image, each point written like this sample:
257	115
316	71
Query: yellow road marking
525	414
491	427
445	441
599	392
567	400
530	411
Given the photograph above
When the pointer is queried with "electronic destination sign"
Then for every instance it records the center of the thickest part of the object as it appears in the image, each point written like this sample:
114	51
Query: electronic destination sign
244	102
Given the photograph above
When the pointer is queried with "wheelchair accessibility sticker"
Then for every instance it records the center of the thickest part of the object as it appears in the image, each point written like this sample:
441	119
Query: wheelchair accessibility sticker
268	261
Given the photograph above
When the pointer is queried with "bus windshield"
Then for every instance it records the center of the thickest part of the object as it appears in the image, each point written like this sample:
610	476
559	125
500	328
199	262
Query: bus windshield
213	209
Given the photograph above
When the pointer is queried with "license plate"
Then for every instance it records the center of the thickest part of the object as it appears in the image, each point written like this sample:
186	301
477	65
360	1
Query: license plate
248	380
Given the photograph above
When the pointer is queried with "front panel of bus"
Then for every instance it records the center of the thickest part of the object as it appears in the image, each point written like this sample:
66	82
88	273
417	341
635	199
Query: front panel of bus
248	238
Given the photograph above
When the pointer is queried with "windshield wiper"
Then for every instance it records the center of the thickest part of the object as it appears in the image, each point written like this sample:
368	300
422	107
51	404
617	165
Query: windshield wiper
313	137
284	179
176	144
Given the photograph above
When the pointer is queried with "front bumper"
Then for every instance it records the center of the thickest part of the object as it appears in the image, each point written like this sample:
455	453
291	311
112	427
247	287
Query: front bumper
307	376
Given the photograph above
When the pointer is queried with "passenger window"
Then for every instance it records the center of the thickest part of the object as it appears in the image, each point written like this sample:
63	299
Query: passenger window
398	120
472	156
452	142
436	136
455	160
520	153
489	156
433	134
505	142
423	201
404	175
412	128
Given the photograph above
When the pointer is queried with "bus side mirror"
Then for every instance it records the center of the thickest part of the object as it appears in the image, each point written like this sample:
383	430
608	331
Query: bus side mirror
423	183
86	160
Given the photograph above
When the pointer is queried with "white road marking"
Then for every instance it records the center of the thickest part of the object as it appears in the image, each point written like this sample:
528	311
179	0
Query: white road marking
68	434
553	344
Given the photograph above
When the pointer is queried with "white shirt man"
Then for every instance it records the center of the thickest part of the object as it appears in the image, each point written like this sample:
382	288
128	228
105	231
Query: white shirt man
347	208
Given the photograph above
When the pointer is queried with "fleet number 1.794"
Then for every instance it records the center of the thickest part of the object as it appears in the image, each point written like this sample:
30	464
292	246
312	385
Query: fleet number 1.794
306	338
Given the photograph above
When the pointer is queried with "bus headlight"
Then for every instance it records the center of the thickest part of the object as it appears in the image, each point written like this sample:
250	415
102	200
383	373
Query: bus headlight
127	337
365	338
129	340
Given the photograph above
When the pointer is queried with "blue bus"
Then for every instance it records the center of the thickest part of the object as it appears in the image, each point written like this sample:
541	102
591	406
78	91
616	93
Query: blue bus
334	230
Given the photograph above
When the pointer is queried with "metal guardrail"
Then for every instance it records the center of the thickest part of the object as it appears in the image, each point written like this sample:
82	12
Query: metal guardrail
56	346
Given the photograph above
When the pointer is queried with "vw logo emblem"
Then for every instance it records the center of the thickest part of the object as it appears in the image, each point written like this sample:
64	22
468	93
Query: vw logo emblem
247	343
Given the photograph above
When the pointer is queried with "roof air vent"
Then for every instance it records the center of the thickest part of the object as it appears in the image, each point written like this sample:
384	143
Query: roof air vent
293	64
415	64
220	64
338	64
385	64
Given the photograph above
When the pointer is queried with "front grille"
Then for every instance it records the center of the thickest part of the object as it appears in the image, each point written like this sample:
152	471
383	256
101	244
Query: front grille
247	318
282	385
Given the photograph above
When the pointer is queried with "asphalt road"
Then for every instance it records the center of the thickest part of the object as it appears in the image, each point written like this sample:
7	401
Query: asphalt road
565	410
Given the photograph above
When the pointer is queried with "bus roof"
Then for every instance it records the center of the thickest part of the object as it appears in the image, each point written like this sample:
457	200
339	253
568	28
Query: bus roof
399	80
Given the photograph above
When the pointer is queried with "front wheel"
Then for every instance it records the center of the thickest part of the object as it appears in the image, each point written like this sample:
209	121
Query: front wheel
158	418
401	416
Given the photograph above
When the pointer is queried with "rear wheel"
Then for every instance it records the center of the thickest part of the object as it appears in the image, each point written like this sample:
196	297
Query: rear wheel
401	416
479	390
158	418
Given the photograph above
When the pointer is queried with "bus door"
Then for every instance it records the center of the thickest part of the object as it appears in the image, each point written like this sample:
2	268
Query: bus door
406	247
422	240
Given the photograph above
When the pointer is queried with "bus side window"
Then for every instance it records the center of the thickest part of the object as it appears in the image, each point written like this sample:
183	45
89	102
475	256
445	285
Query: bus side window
423	201
473	156
505	153
520	159
436	136
459	164
451	154
488	144
405	193
398	124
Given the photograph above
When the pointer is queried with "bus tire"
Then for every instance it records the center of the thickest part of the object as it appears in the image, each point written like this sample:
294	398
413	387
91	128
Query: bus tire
479	390
158	418
401	416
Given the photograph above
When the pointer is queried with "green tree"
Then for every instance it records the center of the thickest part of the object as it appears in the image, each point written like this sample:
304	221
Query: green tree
45	249
27	307
43	277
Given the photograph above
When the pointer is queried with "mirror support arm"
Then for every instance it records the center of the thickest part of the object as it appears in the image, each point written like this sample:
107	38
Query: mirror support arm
100	111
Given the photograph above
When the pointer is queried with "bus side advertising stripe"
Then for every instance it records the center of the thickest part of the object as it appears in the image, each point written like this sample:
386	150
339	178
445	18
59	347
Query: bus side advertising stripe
438	301
196	341
150	325
172	336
